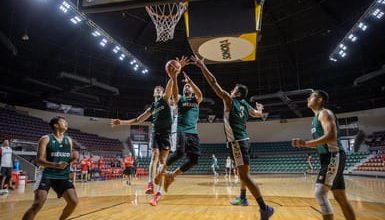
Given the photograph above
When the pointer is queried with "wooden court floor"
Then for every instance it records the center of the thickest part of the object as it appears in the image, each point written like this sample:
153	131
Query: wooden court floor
201	197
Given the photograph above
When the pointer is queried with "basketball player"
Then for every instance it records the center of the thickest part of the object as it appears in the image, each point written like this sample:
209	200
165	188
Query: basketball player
332	156
236	113
128	172
54	155
91	168
6	166
187	143
101	163
215	166
84	169
228	168
161	120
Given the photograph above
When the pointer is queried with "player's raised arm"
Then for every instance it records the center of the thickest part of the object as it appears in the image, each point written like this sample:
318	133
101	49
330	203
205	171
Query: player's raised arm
225	96
195	88
168	91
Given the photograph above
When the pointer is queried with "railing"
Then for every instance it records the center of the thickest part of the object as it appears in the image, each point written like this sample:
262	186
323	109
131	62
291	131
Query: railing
29	168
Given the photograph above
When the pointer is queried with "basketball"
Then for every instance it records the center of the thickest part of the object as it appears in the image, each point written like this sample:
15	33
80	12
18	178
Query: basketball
172	65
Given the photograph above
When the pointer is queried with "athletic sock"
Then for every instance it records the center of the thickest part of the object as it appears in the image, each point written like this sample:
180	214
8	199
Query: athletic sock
261	203
160	185
243	194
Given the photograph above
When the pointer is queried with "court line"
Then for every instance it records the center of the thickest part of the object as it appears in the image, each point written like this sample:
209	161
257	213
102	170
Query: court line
316	209
98	210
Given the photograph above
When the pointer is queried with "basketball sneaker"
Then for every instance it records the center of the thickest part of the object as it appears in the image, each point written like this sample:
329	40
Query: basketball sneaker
150	188
239	201
154	201
266	213
168	179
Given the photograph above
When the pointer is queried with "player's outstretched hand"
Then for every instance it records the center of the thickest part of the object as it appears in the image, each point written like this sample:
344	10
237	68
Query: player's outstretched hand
197	62
115	122
183	61
297	142
259	106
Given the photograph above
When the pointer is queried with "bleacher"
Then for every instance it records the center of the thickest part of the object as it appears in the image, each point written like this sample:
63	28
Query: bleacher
377	139
24	127
273	157
375	164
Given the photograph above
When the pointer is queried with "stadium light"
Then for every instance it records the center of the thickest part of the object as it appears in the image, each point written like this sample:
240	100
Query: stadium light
75	20
362	26
64	6
342	53
376	9
103	42
116	49
76	17
342	46
380	15
352	37
95	33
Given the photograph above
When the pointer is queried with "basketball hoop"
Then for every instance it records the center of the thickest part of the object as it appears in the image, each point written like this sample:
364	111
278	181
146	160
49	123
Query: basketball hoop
165	18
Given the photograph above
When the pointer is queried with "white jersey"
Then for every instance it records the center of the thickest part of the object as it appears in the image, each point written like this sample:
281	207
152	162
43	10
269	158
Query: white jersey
228	163
174	125
6	157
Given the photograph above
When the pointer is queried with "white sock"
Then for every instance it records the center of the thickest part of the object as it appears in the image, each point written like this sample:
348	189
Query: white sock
160	185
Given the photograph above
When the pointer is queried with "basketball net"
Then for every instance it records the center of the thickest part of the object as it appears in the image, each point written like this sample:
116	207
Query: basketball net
165	18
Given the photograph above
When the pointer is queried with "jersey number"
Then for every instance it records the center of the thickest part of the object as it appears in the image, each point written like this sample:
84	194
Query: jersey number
242	113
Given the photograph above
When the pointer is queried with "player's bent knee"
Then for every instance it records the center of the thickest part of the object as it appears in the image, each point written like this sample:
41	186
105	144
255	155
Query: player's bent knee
321	194
75	202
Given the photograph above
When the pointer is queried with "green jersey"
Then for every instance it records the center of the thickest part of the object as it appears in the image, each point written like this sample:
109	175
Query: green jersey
235	120
317	132
57	152
161	117
188	115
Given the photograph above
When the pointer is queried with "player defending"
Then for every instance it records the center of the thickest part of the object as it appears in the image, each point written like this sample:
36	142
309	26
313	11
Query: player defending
236	113
54	155
332	156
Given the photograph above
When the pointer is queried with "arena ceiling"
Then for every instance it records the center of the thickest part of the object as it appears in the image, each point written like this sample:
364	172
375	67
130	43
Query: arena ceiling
293	54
